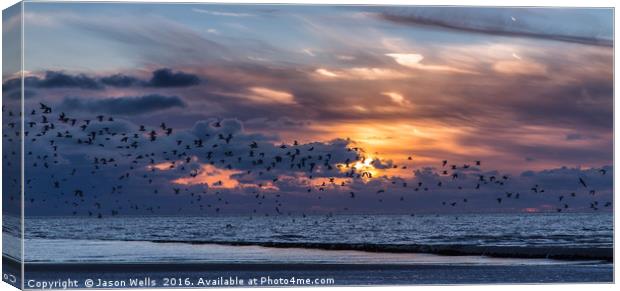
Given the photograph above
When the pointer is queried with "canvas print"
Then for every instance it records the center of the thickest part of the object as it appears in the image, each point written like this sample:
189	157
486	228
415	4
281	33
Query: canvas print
172	145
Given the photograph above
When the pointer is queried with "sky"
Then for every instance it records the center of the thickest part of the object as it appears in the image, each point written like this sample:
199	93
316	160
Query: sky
383	90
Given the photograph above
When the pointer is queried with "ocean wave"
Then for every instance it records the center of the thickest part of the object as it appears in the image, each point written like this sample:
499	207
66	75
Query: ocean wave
288	236
560	253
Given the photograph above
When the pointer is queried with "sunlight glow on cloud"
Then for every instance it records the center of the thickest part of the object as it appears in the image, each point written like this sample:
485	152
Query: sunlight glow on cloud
412	60
407	60
376	74
266	95
161	166
362	73
212	176
428	141
396	97
520	67
169	165
326	73
360	108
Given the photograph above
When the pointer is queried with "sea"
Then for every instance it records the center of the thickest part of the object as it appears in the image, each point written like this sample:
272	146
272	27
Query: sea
559	243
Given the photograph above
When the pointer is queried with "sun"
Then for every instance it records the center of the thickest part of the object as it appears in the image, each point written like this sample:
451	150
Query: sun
365	168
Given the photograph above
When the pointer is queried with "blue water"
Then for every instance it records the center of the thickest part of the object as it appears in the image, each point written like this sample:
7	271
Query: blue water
550	230
118	238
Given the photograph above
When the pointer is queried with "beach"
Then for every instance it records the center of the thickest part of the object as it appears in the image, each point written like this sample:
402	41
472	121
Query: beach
341	274
217	265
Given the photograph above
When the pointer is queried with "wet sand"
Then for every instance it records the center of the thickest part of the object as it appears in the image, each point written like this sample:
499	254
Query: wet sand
341	274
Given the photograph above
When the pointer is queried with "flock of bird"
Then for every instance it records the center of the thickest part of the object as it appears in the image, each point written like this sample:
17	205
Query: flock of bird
152	155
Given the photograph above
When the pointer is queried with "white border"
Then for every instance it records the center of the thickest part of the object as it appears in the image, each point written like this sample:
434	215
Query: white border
544	3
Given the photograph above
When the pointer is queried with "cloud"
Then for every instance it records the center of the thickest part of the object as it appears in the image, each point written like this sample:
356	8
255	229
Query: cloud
586	27
567	179
520	67
229	162
326	73
247	165
576	93
167	78
309	52
407	60
350	89
362	73
120	80
580	137
61	80
161	78
413	60
124	105
17	94
396	97
211	176
266	95
11	84
53	80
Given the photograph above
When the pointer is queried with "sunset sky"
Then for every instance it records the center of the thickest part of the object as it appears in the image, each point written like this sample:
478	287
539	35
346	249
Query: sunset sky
529	92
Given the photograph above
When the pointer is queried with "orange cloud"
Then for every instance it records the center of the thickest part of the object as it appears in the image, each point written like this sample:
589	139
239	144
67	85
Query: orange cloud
396	97
326	73
427	142
520	67
412	60
362	73
165	166
266	95
161	166
212	176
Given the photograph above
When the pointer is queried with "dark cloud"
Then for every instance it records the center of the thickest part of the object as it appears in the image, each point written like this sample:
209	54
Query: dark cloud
162	78
120	80
61	80
579	136
587	103
566	179
11	84
124	105
33	82
504	22
268	151
168	78
54	79
17	94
